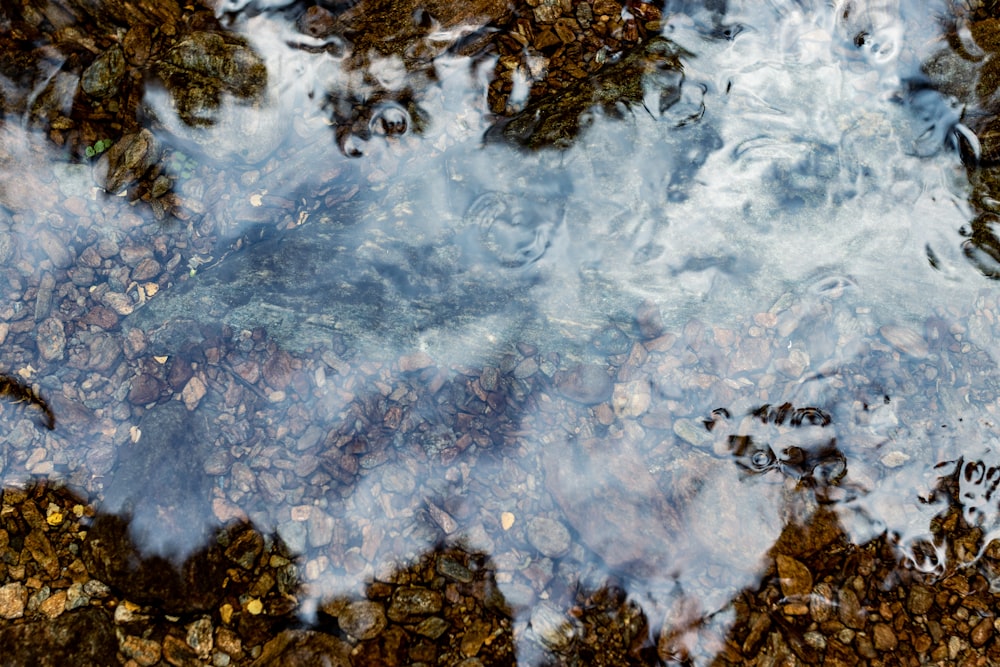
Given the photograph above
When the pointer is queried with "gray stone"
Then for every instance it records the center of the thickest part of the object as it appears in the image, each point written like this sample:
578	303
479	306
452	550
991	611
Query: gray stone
412	602
549	536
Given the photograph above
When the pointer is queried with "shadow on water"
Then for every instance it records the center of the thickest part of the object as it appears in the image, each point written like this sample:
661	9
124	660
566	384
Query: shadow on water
473	333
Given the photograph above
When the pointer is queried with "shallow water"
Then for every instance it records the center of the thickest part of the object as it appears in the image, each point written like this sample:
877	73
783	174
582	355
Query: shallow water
457	315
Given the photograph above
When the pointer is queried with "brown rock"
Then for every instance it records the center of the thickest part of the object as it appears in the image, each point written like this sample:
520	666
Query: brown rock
411	602
145	389
920	600
795	578
363	619
12	598
145	652
850	612
884	638
982	632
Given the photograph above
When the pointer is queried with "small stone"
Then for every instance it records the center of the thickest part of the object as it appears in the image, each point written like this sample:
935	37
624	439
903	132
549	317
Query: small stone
255	607
118	302
432	627
54	605
179	654
12	599
145	652
145	389
692	432
55	248
363	619
631	399
920	600
905	340
413	601
199	637
415	362
883	637
796	580
320	528
102	77
51	339
982	632
507	520
549	536
585	383
850	612
193	392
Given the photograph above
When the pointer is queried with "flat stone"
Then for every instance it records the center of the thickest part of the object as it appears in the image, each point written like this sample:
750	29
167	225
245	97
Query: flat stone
795	578
920	600
549	536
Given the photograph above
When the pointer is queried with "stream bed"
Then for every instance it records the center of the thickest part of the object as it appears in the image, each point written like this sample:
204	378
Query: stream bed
558	333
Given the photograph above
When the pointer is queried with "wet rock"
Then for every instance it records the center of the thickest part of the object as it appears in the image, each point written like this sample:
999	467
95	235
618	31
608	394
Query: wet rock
363	619
883	637
145	389
55	247
12	599
203	66
84	637
920	600
552	627
126	161
410	603
245	549
304	648
586	384
145	652
796	580
850	611
548	536
51	339
102	77
556	120
905	340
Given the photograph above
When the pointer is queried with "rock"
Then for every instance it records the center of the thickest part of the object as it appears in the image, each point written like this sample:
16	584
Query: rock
55	247
550	537
552	627
12	599
585	383
363	619
905	340
145	652
145	389
920	600
102	77
126	161
409	603
850	611
883	637
796	580
51	339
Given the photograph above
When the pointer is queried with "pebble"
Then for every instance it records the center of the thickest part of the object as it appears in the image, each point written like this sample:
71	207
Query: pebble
413	601
145	652
193	392
549	536
51	339
796	580
12	600
363	619
586	383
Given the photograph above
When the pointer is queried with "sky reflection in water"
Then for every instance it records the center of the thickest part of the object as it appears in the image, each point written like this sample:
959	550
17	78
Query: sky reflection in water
779	215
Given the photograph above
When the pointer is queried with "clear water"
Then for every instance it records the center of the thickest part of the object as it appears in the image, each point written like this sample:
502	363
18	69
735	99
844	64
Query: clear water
780	215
